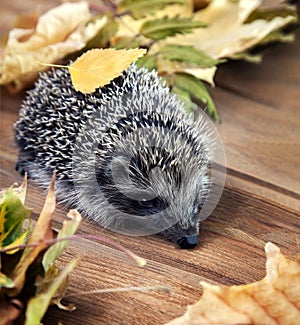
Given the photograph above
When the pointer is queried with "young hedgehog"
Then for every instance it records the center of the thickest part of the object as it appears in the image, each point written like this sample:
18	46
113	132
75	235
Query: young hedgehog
127	155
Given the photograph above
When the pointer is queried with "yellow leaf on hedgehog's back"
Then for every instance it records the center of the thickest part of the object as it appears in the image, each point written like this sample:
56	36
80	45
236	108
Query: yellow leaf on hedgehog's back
98	67
275	300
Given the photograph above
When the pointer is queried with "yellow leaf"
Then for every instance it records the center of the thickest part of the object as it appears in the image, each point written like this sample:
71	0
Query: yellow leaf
42	231
19	241
273	300
227	33
20	190
98	67
38	305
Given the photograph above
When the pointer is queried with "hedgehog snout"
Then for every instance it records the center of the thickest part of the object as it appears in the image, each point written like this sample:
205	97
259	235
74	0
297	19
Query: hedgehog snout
185	238
188	242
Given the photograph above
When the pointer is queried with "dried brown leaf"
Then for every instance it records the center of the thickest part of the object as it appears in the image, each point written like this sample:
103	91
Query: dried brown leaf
227	33
41	232
28	20
60	31
271	301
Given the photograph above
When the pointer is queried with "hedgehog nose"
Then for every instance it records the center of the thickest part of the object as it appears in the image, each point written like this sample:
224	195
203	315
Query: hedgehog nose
188	242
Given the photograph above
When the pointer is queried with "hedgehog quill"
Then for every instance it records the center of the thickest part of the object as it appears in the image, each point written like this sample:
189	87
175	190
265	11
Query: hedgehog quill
127	156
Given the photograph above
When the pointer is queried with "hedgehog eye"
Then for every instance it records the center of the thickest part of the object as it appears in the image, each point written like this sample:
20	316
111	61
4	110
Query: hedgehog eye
146	203
156	203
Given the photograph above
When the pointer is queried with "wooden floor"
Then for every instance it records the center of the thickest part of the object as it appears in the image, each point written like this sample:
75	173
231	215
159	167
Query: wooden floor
260	110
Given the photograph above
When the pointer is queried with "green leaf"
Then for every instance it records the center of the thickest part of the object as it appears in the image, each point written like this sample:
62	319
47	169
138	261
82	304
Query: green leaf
164	27
186	98
12	215
269	14
279	36
5	281
42	231
42	284
196	90
142	8
69	228
247	56
38	305
147	61
188	54
102	39
127	43
20	191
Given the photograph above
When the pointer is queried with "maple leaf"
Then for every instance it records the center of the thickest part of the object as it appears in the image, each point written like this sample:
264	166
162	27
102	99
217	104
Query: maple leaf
273	300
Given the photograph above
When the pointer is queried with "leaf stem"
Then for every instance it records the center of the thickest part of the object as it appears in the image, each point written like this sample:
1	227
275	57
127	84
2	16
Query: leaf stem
112	290
52	65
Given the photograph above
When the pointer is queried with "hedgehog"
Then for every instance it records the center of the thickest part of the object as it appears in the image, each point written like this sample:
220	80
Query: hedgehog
127	156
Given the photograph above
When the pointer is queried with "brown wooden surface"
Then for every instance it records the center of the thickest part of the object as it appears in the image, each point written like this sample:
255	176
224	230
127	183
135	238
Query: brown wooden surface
260	111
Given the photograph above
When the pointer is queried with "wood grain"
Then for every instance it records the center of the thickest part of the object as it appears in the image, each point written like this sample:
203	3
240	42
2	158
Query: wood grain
259	106
260	128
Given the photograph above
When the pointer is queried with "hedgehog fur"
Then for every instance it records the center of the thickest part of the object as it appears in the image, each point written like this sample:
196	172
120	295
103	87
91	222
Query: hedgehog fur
127	155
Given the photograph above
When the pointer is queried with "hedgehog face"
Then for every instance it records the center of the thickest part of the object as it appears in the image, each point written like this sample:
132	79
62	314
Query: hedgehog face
166	182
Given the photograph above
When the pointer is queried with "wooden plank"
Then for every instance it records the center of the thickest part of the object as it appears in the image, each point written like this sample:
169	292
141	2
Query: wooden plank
260	203
261	146
230	252
275	82
260	109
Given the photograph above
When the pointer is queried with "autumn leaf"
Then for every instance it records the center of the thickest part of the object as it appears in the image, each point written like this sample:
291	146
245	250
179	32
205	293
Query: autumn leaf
41	232
38	305
196	90
161	28
12	216
69	228
98	67
187	54
130	27
15	282
142	8
5	281
148	61
20	191
103	37
228	31
60	31
233	28
273	300
25	296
